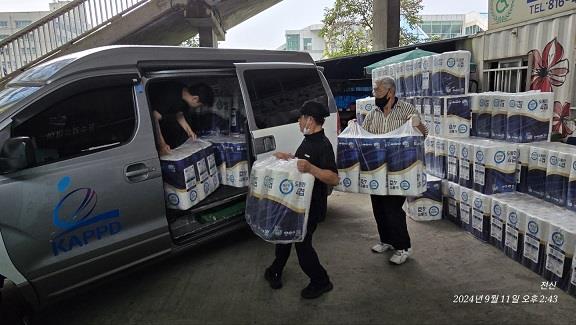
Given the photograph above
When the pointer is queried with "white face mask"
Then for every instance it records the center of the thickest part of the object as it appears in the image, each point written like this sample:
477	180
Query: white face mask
306	130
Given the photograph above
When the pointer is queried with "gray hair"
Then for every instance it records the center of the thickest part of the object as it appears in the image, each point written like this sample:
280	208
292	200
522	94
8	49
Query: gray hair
385	81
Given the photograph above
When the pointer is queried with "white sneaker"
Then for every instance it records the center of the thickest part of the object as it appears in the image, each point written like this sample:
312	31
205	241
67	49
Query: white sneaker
400	256
381	248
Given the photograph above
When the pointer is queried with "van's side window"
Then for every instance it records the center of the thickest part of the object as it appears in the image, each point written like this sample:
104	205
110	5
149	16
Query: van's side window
81	124
276	95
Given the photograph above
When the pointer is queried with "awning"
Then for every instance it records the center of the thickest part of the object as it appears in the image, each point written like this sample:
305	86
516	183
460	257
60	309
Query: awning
410	55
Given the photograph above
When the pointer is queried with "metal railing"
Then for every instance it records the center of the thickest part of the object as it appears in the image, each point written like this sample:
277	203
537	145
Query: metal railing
65	26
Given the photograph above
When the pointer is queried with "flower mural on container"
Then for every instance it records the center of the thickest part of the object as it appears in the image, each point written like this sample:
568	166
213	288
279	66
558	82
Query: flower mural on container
561	123
549	68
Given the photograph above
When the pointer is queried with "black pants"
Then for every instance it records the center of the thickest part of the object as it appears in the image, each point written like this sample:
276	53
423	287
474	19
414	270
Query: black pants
307	257
391	220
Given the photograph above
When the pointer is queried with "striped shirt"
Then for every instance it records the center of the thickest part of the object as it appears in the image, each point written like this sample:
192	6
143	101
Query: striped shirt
376	122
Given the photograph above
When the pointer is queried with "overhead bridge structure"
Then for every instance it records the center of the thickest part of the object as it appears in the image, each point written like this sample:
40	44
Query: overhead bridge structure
84	24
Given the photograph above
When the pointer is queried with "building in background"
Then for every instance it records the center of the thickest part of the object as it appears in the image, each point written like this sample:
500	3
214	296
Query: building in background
11	22
437	27
307	39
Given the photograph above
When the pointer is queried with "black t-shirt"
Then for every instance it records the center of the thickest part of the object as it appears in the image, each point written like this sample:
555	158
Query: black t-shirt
173	133
316	148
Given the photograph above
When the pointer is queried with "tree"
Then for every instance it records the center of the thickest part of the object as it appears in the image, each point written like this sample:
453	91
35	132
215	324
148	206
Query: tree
348	26
192	42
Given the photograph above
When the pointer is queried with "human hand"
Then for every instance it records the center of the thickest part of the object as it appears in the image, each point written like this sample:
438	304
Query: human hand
415	120
283	155
163	149
191	134
304	166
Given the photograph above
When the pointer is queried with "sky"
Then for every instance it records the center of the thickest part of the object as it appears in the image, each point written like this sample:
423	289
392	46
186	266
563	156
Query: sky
266	30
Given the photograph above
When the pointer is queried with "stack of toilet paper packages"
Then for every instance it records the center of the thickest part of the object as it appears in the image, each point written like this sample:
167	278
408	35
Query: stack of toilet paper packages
446	116
383	164
519	117
450	73
278	202
188	176
427	207
363	107
537	234
231	159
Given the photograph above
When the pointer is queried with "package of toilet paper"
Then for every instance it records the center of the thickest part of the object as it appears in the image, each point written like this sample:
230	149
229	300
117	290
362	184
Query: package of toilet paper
451	73
373	165
279	201
537	123
537	166
514	238
399	70
427	67
466	208
535	241
348	158
517	110
499	116
454	203
495	167
440	155
481	208
185	166
498	215
571	192
363	107
429	159
219	155
522	168
427	207
453	147
484	120
409	78
405	156
466	161
236	162
560	250
558	174
457	117
417	77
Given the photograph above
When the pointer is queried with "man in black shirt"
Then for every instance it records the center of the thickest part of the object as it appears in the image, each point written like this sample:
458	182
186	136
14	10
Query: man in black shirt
172	118
316	157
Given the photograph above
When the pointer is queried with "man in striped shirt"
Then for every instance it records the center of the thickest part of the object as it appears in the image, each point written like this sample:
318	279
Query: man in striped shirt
390	217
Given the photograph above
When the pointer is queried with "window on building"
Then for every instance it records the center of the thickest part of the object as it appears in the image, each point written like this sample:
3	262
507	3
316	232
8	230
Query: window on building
507	75
3	24
81	124
293	42
307	44
276	96
3	36
22	23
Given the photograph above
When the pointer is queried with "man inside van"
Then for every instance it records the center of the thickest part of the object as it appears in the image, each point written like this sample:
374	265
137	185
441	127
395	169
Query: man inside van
315	156
171	123
390	217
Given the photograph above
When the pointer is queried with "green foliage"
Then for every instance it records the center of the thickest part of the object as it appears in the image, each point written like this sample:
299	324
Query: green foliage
348	26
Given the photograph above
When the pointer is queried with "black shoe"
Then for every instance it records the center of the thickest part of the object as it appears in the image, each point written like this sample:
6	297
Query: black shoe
314	291
275	279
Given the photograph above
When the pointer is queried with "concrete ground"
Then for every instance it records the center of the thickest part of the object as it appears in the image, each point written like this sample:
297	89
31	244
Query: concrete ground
222	283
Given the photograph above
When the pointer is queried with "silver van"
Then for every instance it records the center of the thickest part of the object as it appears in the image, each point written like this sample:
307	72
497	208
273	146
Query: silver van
81	189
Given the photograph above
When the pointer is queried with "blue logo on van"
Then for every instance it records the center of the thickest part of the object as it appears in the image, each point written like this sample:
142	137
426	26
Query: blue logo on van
532	105
374	185
533	227
434	211
463	128
499	157
405	185
75	211
558	239
286	187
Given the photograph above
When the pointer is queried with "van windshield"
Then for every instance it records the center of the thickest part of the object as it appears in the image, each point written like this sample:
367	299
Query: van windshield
12	95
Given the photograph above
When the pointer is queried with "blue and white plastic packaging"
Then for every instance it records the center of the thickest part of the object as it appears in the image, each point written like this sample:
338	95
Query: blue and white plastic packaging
417	77
557	175
427	68
451	73
427	207
363	107
498	216
405	155
481	206
453	147
466	208
409	78
537	166
499	116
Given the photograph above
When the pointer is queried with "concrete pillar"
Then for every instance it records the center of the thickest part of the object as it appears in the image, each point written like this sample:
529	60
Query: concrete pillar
386	24
208	37
379	28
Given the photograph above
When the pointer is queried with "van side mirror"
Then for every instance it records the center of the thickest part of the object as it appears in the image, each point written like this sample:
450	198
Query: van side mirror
16	154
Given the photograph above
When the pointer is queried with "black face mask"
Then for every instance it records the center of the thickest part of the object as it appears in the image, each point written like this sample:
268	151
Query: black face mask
381	102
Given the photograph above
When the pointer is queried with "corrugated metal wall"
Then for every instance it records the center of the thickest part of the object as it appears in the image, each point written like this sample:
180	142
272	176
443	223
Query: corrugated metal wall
518	41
